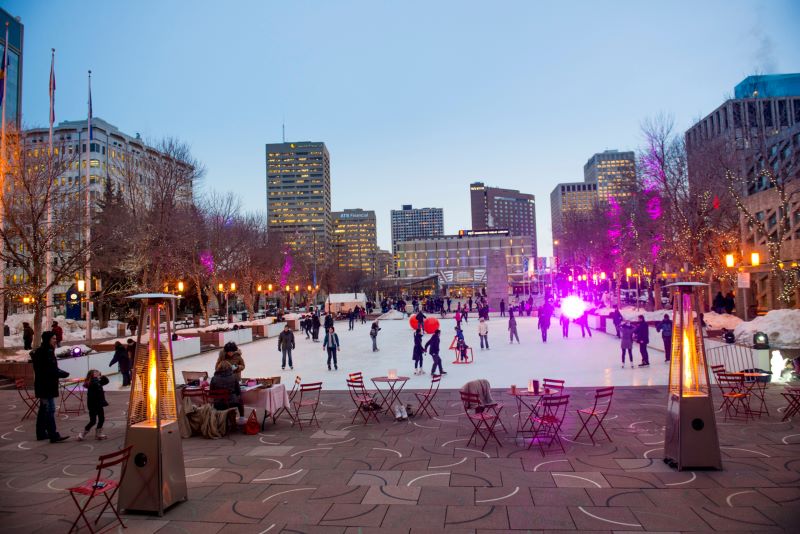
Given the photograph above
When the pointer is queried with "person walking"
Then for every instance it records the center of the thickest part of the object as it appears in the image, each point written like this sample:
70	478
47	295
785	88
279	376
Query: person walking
449	302
665	327
95	403
483	333
642	336
59	332
583	320
417	352
315	324
373	333
123	362
545	314
285	346
27	336
564	322
512	327
626	341
469	301
502	308
45	384
130	346
331	344
616	317
432	348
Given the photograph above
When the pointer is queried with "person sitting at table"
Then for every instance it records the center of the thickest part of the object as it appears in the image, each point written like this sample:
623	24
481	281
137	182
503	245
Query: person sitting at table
231	354
224	378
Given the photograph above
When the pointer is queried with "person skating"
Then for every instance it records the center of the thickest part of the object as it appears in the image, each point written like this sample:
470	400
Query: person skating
512	327
642	336
483	333
231	353
373	333
417	352
564	322
286	346
626	341
420	319
502	308
95	403
583	320
616	318
351	319
665	327
462	348
328	321
27	336
315	327
432	348
46	388
458	317
123	362
331	344
545	314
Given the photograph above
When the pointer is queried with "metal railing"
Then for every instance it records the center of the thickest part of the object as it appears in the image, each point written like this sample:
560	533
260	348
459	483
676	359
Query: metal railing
734	357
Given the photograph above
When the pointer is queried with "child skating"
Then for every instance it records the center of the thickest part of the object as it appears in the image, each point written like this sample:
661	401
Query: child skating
95	403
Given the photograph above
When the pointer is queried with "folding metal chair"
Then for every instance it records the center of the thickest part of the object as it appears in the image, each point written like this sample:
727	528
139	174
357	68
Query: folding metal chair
199	394
191	376
30	401
548	424
734	396
291	394
602	405
221	396
309	398
425	398
792	396
482	420
716	369
101	486
555	386
362	400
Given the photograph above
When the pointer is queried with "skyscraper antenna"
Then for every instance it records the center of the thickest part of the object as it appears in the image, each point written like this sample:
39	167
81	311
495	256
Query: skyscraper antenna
283	129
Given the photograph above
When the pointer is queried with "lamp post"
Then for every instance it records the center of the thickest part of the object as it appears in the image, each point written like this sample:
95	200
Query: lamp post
222	289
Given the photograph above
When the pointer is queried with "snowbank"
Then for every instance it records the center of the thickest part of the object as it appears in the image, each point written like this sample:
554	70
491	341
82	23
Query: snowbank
630	313
718	321
782	327
392	315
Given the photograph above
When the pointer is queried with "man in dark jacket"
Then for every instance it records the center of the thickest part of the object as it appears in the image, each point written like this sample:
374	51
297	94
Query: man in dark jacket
642	336
328	321
131	347
315	324
665	327
432	347
285	346
502	308
27	336
123	361
59	332
616	317
545	314
47	374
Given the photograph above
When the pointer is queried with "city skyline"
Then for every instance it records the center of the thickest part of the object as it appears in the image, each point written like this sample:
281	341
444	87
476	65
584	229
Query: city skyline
407	120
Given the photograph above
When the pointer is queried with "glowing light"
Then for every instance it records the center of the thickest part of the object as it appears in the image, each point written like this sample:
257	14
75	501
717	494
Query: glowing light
259	288
573	307
628	271
180	287
81	286
296	288
233	286
570	278
755	259
603	275
777	364
688	363
269	287
729	260
220	287
152	387
287	287
309	287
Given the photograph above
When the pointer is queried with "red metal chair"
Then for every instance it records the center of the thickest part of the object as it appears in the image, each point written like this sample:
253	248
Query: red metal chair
792	396
291	394
425	398
309	399
221	396
555	386
195	393
735	399
362	400
30	401
101	486
482	420
546	426
602	405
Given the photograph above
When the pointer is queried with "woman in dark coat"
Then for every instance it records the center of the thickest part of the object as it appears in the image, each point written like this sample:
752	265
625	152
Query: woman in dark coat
642	336
46	387
418	351
123	361
225	379
27	336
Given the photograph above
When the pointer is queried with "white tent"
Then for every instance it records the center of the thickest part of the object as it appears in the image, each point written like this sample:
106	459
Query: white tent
343	302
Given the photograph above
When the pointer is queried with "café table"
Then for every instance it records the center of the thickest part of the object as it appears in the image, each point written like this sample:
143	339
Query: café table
271	399
393	387
71	388
527	404
757	388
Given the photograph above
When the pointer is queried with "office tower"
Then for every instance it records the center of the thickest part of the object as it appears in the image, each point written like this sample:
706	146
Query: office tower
16	33
385	263
299	195
614	172
410	223
497	208
355	243
571	199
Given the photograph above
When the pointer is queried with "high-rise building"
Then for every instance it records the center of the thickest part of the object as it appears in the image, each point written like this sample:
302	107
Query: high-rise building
16	33
497	208
385	263
613	171
574	198
415	223
355	243
299	195
768	86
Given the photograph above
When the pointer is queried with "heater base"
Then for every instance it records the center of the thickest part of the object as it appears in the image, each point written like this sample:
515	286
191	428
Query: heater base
690	440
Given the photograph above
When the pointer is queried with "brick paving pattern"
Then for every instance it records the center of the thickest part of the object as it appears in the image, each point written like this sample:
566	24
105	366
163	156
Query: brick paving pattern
421	476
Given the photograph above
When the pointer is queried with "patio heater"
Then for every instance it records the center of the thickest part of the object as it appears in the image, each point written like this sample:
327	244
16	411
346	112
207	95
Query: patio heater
156	479
690	439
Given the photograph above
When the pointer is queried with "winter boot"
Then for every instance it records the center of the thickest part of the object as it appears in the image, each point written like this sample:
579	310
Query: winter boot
99	434
80	435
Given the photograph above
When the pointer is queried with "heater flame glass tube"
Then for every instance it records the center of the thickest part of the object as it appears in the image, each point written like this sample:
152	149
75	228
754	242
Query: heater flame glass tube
152	371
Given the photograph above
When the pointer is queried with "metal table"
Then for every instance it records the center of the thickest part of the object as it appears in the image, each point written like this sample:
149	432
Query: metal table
394	386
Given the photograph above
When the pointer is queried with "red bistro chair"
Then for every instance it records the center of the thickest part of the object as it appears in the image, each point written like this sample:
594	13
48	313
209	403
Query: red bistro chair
792	396
483	420
598	412
97	486
547	425
735	400
195	393
30	401
556	387
309	399
291	394
362	400
425	398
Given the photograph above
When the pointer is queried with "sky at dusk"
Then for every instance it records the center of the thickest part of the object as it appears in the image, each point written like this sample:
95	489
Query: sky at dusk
414	99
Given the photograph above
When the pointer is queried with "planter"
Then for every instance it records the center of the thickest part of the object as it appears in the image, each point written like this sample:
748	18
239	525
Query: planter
597	322
14	370
274	329
183	348
259	330
240	337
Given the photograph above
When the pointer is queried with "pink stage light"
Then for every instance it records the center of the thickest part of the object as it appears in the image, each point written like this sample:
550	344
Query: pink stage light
573	307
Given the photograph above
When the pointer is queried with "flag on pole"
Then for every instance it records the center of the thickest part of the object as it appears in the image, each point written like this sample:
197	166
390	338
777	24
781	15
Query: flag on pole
91	136
53	89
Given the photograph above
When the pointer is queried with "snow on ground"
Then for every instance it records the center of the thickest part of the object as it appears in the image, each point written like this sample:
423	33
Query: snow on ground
782	327
393	315
718	321
581	362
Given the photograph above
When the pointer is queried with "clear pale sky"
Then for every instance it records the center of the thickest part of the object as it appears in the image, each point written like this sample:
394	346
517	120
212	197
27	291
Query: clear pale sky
414	99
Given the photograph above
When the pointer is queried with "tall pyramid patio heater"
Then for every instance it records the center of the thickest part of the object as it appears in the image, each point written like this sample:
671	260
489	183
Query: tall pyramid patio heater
156	479
690	439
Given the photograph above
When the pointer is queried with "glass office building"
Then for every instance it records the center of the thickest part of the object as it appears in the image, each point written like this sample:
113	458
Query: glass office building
14	82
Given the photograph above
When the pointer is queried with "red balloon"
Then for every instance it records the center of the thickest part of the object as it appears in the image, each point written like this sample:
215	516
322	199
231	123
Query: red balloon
413	322
431	325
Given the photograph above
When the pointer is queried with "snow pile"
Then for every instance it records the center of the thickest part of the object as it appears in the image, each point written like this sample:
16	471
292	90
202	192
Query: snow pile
392	315
718	321
782	327
61	352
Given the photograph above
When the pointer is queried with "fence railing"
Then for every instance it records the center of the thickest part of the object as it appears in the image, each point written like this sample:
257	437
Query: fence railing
734	357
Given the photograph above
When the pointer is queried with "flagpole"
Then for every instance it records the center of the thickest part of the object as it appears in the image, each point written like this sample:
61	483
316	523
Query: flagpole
49	260
2	193
88	218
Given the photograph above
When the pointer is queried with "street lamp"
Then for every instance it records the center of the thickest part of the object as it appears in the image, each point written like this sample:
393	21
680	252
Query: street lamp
755	259
81	286
729	260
